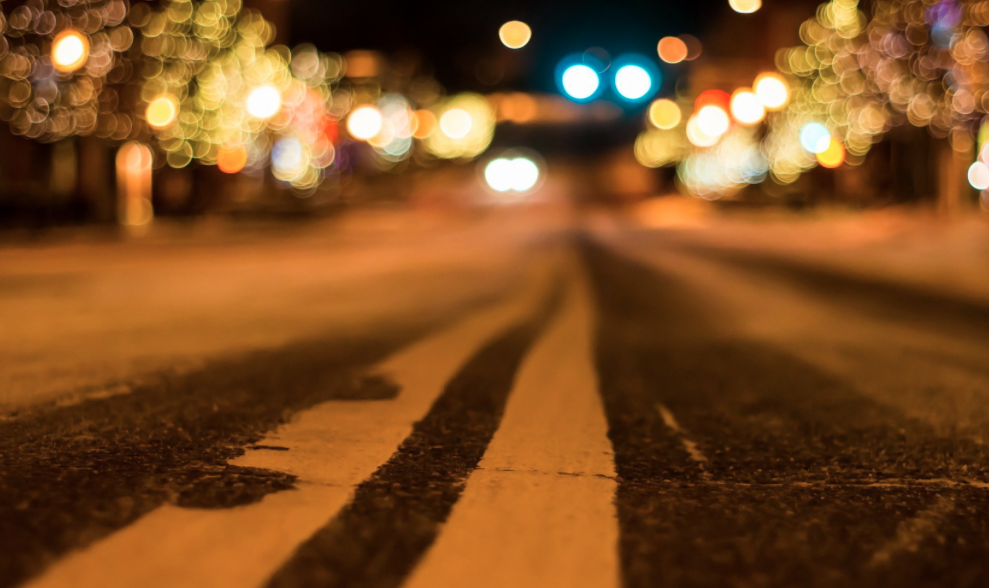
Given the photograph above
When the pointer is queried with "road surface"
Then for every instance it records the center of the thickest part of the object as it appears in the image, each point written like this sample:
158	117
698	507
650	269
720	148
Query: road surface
517	399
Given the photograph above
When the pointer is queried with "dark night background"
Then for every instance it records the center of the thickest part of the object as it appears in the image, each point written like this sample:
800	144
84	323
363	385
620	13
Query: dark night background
452	37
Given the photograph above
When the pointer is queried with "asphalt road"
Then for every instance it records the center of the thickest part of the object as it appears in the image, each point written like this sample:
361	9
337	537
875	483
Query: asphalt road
559	404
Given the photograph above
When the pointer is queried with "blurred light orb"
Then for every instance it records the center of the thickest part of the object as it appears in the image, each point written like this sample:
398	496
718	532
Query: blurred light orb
231	158
978	176
772	90
161	112
745	6
456	123
713	121
718	98
580	82
747	108
672	49
518	174
70	50
632	82
833	156
697	136
264	101
286	157
815	137
425	122
665	114
515	34
364	122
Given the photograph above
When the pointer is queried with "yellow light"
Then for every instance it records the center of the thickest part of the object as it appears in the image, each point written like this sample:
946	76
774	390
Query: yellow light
745	6
713	121
833	156
264	101
134	184
364	122
515	34
231	158
456	123
161	112
747	108
665	114
70	50
772	90
672	50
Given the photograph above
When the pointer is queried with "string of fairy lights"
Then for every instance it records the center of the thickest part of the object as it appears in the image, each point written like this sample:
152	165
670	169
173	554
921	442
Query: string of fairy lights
201	82
854	78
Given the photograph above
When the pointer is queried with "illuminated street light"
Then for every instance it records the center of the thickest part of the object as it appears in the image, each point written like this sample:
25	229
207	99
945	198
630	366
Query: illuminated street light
747	108
515	34
456	123
161	112
815	138
772	90
713	121
70	50
745	6
978	176
833	156
672	49
633	82
517	174
665	114
264	101
364	123
580	82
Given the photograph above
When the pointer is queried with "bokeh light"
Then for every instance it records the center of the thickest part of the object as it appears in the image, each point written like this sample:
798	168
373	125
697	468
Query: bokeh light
364	122
978	176
772	90
718	98
580	82
672	49
511	174
833	156
745	6
746	107
515	34
713	121
815	137
697	136
456	123
264	101
70	50
231	159
665	114
161	112
633	82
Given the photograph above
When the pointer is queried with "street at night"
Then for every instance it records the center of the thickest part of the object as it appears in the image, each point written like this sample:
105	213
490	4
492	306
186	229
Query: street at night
298	294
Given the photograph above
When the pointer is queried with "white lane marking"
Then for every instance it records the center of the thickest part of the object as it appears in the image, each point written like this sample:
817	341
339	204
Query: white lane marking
912	532
540	512
332	447
693	450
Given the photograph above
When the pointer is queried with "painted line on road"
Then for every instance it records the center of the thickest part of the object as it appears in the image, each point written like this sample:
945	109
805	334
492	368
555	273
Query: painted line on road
397	513
912	532
540	510
332	447
693	450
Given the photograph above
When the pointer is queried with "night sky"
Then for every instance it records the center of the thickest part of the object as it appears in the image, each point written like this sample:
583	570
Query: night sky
454	36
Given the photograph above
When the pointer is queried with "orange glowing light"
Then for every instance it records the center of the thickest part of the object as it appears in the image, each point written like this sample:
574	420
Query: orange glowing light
515	34
718	98
231	158
745	6
672	50
833	156
425	123
746	107
70	50
772	90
